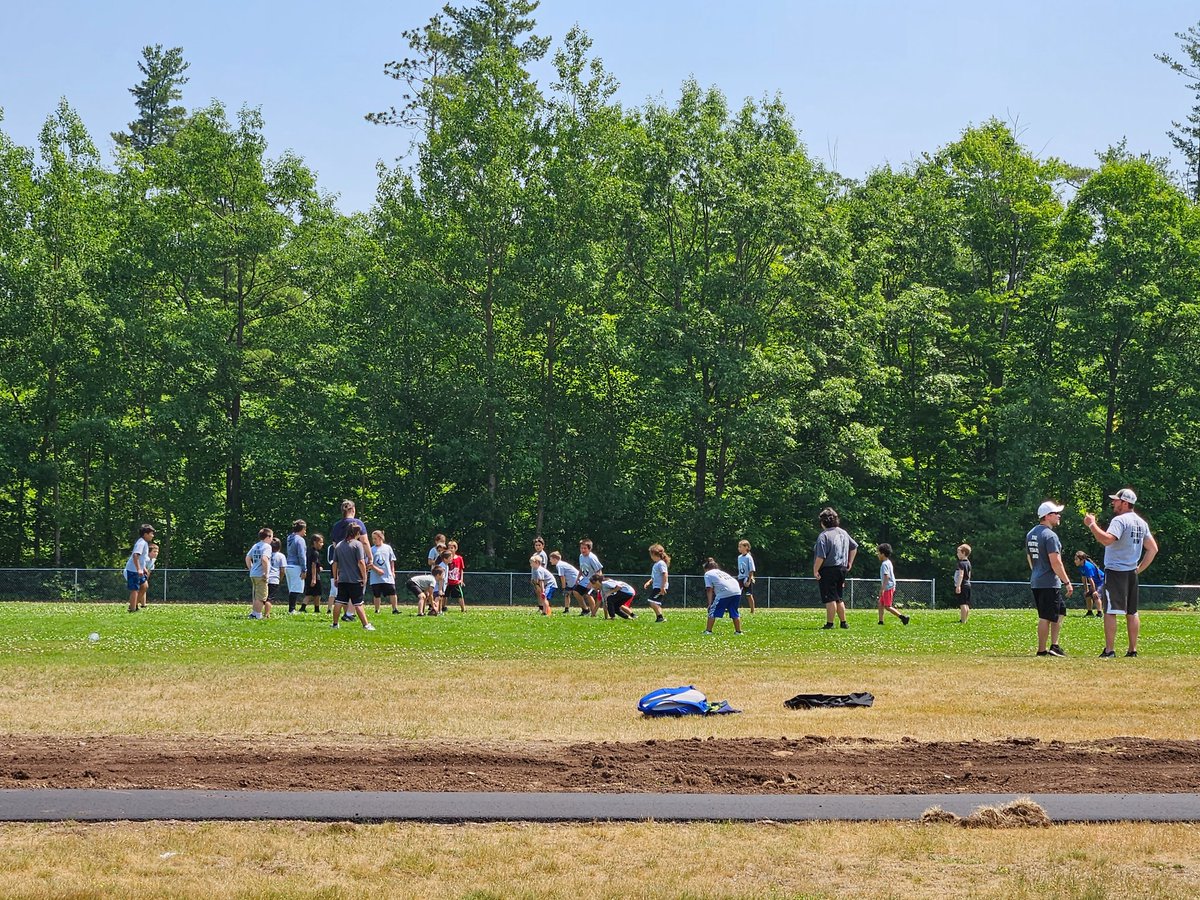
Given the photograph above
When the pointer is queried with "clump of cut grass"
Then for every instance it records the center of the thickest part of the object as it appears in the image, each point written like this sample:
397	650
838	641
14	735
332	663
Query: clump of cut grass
1022	813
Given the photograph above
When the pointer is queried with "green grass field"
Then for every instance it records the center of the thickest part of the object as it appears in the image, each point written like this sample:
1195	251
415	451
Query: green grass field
508	674
59	632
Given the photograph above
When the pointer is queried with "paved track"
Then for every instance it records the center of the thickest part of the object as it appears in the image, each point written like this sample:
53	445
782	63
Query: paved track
48	805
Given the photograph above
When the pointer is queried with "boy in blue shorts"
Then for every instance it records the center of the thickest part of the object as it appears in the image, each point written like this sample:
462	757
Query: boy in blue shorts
724	593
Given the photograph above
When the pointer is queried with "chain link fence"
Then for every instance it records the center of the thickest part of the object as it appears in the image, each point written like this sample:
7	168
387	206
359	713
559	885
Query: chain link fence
513	588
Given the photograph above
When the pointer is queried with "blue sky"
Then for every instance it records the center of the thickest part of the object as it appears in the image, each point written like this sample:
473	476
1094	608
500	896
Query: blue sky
867	82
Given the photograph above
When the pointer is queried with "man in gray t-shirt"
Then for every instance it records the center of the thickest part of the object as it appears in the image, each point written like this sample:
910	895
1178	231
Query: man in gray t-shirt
1129	548
1043	552
833	555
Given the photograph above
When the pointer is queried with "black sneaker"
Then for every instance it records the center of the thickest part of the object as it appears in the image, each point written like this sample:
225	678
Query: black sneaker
661	619
844	624
904	620
1107	654
1088	614
1056	650
826	625
1131	653
880	622
1043	653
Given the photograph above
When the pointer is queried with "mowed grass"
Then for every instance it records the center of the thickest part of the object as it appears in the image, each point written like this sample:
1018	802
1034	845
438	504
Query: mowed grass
508	674
647	860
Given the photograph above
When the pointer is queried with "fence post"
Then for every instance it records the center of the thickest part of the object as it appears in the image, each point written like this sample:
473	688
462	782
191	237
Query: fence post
76	585
933	593
165	585
510	588
852	580
768	592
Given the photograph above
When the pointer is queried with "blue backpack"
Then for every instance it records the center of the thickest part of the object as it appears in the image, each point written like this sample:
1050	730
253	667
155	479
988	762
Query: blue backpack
681	701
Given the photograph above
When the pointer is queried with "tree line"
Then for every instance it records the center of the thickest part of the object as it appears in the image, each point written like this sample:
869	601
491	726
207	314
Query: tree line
563	316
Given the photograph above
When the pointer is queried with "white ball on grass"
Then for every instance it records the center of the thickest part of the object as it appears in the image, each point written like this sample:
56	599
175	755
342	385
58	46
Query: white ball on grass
93	637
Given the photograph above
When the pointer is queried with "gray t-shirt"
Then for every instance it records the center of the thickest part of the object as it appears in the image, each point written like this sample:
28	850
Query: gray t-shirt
834	546
1124	554
1039	544
347	555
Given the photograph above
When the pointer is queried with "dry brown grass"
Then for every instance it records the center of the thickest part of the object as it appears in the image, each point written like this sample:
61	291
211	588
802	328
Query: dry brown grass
925	697
213	861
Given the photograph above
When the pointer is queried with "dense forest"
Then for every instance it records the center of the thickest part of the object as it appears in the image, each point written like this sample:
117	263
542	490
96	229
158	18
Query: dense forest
664	323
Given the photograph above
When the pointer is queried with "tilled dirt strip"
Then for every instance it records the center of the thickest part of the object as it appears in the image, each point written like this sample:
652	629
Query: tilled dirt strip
740	766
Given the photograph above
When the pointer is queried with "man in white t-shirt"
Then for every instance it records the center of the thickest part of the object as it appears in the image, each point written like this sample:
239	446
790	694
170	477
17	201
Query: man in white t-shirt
1129	548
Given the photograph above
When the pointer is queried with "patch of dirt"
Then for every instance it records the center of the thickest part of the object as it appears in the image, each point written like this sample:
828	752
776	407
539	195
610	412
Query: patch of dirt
808	765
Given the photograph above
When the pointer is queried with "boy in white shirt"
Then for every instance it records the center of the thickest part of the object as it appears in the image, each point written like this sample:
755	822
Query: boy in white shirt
542	581
258	562
723	595
887	584
135	567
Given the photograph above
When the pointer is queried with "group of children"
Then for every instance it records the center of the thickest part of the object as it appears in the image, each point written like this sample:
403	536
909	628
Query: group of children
551	575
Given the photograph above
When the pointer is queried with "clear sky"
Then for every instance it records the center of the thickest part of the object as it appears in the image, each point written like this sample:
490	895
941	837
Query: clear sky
867	82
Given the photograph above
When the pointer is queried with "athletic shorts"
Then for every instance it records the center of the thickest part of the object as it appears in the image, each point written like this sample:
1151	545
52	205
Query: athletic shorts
833	583
295	579
332	591
964	598
727	604
383	589
1120	592
274	591
350	592
455	591
134	581
258	587
312	590
747	589
886	598
616	600
657	595
583	590
1050	604
415	589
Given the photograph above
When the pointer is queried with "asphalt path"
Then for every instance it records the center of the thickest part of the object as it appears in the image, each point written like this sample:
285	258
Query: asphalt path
87	805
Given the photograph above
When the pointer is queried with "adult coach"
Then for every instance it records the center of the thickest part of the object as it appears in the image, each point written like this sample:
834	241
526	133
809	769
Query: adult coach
1047	574
1129	548
833	557
337	533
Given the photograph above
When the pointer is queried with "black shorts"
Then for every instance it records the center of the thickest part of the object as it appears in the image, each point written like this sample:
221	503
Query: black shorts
383	590
312	590
964	596
583	590
833	583
1050	603
657	595
616	600
1120	592
274	592
454	591
350	592
747	589
414	589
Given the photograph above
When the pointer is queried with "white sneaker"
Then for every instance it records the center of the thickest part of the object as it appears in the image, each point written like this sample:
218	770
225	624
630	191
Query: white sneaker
368	627
255	615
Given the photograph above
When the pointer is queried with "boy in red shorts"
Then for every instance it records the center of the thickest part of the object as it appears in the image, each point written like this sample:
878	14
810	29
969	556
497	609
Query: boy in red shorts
887	584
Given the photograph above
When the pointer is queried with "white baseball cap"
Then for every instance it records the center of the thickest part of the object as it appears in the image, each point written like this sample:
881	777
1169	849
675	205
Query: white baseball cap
1125	494
1048	507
